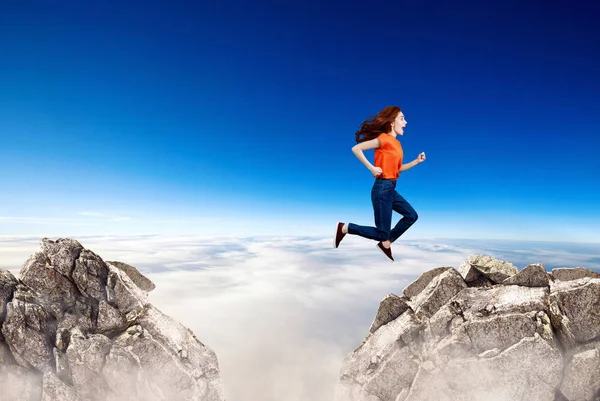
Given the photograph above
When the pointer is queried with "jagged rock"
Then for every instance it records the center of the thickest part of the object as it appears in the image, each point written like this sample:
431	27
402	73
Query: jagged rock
495	270
28	330
81	329
506	341
124	295
531	276
43	278
90	275
138	278
61	254
390	308
439	290
415	288
8	283
582	373
565	274
85	357
383	364
577	307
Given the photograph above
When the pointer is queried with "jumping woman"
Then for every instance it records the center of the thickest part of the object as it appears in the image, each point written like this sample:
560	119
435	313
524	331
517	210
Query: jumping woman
380	133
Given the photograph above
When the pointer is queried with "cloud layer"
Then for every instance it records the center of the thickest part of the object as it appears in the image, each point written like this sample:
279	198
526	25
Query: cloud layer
282	312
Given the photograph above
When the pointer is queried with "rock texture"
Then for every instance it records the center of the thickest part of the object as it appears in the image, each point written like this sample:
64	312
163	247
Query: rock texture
76	328
483	332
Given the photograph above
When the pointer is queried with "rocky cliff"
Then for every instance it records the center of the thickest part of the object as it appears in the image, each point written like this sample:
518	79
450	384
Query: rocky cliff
484	331
74	328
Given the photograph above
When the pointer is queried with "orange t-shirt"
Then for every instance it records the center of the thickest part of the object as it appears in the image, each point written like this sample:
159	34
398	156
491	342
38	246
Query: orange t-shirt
389	156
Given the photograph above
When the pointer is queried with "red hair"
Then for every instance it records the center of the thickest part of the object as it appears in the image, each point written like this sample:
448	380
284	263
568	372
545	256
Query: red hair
381	123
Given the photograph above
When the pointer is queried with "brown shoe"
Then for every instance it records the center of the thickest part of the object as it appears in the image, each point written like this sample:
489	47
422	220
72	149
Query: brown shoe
386	251
338	235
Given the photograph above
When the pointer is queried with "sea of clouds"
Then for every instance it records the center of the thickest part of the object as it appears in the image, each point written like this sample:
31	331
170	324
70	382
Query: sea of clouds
282	312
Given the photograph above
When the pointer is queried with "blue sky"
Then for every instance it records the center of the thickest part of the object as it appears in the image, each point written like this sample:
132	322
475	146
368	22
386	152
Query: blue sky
238	118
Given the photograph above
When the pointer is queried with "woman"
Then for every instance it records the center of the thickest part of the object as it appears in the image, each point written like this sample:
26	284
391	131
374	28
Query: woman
380	133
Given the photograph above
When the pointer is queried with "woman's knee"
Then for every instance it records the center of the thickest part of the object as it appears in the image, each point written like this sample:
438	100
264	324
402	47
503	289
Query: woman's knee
413	217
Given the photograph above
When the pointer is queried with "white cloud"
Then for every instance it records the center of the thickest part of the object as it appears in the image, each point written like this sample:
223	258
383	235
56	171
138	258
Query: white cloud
282	312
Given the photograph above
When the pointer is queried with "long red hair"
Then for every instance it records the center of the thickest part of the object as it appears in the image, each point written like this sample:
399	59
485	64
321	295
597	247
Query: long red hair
381	123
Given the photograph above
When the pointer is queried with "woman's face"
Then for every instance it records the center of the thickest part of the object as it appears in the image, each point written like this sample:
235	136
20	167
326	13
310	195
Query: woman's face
399	124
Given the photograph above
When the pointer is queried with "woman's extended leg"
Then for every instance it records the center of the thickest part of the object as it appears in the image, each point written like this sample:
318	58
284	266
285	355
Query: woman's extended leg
402	206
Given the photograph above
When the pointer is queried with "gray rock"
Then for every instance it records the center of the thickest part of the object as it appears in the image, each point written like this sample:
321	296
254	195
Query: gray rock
439	291
110	319
85	357
561	324
43	278
390	308
582	373
6	358
28	329
577	303
138	278
179	342
79	329
90	275
507	341
61	254
8	284
468	271
566	274
415	288
53	389
476	303
124	295
494	269
383	364
531	276
507	376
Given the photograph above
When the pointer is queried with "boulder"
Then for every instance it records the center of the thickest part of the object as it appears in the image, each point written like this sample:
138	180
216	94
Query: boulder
531	276
565	274
390	308
577	308
439	291
134	274
494	269
415	288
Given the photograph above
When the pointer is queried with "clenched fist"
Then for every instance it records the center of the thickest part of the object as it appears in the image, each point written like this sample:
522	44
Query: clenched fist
421	157
376	171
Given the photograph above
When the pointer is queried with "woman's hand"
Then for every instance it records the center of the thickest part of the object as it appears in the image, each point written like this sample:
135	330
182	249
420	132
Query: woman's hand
376	171
421	158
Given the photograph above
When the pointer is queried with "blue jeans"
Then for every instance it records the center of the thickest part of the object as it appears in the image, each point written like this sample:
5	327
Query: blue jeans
385	200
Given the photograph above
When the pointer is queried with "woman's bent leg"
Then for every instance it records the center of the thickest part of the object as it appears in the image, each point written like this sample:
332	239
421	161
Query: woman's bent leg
401	206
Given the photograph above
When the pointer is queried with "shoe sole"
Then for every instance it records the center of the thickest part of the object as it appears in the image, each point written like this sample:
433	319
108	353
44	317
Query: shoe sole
386	256
335	235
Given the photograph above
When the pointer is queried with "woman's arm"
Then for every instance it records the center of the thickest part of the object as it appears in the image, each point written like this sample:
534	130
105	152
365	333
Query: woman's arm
419	159
358	152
